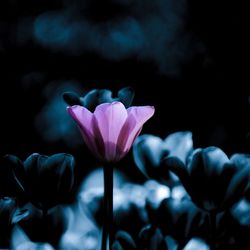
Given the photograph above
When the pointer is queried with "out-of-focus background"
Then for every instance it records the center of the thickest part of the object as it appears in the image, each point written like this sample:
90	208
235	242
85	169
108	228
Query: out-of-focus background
187	58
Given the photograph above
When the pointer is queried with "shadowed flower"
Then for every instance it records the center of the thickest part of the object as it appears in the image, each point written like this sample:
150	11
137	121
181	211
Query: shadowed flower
47	180
247	196
95	97
7	211
43	228
196	243
180	219
151	237
129	205
9	186
20	241
81	233
149	150
110	131
241	212
123	241
212	180
234	227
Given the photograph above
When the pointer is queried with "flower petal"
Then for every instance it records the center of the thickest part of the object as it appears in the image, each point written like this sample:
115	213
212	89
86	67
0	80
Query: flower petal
237	186
110	118
180	144
84	119
148	151
126	96
137	116
240	160
214	160
175	165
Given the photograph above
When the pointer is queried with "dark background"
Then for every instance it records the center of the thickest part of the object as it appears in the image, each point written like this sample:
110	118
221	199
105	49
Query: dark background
191	64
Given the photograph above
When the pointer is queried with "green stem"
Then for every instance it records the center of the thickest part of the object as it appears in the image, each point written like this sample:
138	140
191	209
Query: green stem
212	217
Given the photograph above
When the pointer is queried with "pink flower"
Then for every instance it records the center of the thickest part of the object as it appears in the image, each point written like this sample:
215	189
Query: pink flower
111	129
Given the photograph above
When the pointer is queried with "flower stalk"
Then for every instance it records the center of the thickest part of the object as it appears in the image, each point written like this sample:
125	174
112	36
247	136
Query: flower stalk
108	232
212	218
